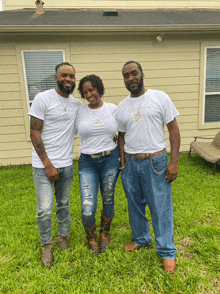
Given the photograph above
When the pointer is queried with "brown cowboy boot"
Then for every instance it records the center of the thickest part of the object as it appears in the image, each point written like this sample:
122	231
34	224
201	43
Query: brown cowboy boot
62	242
92	240
104	232
47	254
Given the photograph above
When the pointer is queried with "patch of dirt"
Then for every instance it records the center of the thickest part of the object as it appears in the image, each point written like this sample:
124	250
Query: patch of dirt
185	242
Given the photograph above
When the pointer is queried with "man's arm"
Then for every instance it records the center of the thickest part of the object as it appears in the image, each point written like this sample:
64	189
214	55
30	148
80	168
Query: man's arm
36	125
121	143
174	136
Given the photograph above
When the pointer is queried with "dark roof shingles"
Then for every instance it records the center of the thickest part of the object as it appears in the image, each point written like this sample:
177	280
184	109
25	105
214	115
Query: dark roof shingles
96	18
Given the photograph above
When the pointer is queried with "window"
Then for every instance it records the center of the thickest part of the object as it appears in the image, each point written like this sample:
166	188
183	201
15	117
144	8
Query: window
212	85
39	69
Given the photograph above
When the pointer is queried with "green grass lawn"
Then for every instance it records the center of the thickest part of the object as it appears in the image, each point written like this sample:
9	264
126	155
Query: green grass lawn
196	203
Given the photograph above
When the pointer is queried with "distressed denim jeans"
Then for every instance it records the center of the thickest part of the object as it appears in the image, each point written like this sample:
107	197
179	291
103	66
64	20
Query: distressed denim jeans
95	172
45	204
145	184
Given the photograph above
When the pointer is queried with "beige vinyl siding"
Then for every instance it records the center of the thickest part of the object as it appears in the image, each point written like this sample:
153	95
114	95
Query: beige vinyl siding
14	147
173	66
114	4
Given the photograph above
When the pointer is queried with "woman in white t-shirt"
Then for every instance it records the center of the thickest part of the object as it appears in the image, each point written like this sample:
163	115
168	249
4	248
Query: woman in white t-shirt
99	161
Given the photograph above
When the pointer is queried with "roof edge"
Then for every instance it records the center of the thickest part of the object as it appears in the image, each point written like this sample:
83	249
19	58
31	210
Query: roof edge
115	9
94	29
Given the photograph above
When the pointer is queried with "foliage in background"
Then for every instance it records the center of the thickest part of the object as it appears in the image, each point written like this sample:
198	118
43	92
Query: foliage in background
196	203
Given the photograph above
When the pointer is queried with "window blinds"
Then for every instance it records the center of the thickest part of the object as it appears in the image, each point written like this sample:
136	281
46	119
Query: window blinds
40	70
212	87
213	70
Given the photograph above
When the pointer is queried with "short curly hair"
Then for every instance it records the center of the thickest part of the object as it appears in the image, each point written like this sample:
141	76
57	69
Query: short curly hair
131	61
96	83
62	64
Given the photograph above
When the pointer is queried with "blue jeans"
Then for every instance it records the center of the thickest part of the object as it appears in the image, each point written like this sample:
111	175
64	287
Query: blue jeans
45	203
95	172
145	183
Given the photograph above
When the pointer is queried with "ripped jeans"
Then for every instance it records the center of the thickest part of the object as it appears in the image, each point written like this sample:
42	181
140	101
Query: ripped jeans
95	172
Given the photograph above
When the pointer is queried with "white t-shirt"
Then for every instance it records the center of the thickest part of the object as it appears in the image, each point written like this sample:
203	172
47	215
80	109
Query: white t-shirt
147	134
58	129
96	128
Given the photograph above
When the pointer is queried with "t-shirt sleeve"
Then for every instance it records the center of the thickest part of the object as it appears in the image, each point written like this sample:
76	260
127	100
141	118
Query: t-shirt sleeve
121	124
169	110
38	107
79	103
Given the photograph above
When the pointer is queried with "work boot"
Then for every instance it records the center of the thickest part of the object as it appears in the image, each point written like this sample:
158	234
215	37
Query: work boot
92	240
47	254
169	265
104	232
62	242
131	247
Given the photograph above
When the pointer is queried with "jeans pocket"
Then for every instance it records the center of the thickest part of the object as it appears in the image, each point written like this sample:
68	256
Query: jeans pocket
82	160
159	164
66	172
39	172
115	153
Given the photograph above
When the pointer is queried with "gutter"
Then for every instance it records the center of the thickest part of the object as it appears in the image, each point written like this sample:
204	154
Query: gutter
111	29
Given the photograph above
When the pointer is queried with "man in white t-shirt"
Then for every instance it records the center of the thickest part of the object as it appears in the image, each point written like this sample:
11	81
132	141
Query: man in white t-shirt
146	174
52	117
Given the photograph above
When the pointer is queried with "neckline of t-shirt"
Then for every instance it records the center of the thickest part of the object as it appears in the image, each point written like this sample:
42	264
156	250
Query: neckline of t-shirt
95	109
139	97
61	97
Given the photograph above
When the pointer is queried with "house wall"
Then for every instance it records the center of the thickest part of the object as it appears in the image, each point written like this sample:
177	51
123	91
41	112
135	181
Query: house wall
172	66
117	4
14	148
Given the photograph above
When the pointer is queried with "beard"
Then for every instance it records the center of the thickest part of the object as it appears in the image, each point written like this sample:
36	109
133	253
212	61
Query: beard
66	90
138	89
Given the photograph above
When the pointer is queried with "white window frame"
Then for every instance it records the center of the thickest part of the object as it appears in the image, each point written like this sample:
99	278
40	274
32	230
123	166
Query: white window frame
203	58
24	68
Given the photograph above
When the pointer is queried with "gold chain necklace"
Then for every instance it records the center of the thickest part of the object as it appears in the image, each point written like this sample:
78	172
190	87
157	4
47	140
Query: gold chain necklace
65	107
136	117
66	115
